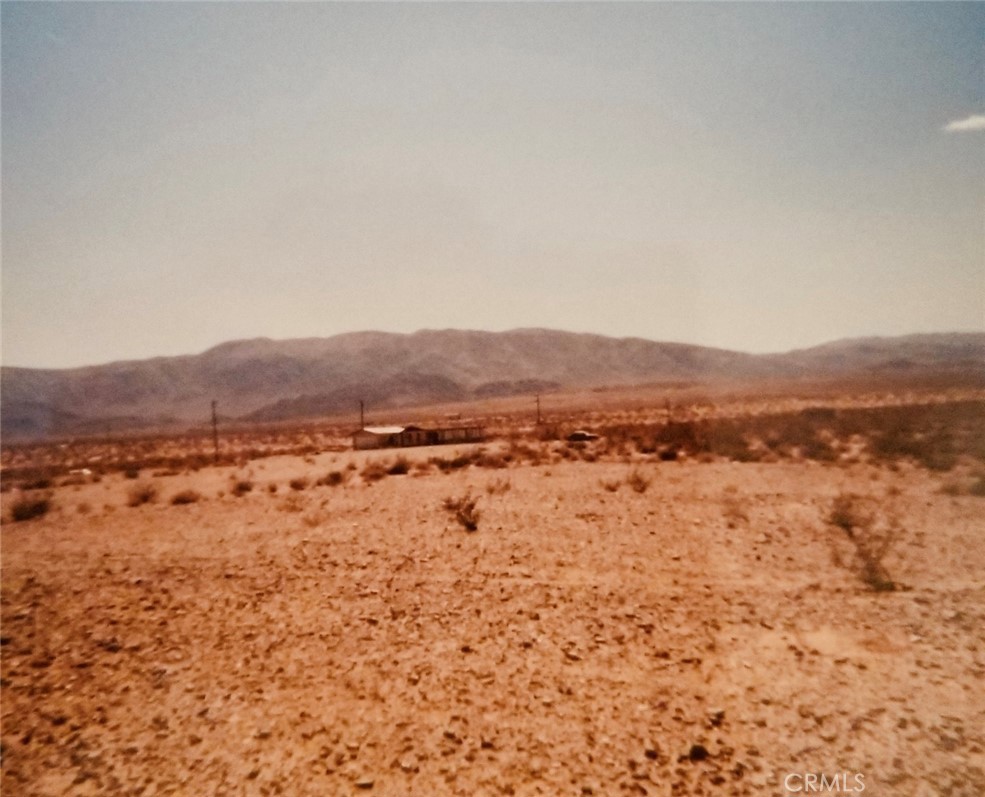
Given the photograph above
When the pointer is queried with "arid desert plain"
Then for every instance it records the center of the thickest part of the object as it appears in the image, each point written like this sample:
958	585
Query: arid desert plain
687	605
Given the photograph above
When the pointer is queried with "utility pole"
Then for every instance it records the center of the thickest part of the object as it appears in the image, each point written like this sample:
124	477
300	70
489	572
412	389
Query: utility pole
539	420
362	419
215	433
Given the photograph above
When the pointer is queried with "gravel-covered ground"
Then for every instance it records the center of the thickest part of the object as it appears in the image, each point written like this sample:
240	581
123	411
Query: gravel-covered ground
708	635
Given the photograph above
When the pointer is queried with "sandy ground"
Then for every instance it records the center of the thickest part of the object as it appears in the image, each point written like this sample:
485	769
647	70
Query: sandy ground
706	636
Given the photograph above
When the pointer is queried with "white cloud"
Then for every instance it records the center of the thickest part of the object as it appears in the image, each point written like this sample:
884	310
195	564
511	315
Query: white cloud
974	122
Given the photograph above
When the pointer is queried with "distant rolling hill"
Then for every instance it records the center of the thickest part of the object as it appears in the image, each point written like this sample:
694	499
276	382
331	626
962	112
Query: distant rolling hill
267	380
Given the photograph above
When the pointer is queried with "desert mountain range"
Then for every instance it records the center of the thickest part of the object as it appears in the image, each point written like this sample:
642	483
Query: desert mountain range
268	380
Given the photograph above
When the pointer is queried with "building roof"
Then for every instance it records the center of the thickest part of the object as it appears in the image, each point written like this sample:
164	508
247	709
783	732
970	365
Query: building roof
382	429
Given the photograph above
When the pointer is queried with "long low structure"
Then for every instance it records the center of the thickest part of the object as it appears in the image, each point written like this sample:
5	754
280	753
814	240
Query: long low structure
404	436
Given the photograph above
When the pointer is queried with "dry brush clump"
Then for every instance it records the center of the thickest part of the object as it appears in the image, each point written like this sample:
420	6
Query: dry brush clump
293	502
521	451
373	471
186	497
733	510
456	462
141	493
491	460
872	537
499	486
41	483
28	507
464	510
935	435
334	478
241	487
399	467
637	481
298	483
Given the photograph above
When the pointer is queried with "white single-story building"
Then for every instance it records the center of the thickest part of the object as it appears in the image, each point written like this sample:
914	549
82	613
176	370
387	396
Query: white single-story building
403	436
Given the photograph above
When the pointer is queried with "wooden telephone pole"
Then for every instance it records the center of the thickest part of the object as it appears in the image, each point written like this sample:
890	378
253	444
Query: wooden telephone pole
362	418
539	419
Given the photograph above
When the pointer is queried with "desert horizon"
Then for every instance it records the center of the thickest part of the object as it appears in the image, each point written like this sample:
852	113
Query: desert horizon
261	380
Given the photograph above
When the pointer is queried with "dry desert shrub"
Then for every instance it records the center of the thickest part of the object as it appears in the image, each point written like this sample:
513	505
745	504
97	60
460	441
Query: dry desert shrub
241	487
637	481
186	497
464	510
292	503
935	436
141	493
499	486
314	518
847	513
490	460
871	536
298	484
611	485
521	451
334	478
38	483
733	510
374	471
74	480
457	462
30	506
399	467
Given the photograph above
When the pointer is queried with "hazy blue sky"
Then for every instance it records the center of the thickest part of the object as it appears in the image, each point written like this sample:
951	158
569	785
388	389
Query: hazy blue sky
757	177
